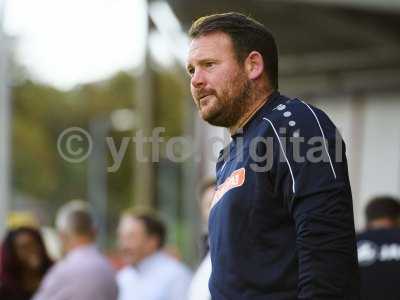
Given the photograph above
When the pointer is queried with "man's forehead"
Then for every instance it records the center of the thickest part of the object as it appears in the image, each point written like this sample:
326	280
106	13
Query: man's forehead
207	44
127	223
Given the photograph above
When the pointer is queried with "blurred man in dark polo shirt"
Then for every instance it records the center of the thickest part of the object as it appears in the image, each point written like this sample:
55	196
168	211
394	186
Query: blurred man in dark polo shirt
379	250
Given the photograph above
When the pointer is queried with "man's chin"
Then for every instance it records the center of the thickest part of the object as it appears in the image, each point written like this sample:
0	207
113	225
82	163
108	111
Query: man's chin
215	119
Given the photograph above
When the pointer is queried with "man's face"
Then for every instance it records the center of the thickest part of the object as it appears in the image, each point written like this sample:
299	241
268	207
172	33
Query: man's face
134	242
219	84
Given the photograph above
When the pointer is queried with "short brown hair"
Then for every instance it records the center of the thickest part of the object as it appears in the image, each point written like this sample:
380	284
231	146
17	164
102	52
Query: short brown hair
152	223
75	217
246	34
383	207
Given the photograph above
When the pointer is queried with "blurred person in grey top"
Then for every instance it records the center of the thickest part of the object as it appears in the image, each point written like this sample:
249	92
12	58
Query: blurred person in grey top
151	274
84	273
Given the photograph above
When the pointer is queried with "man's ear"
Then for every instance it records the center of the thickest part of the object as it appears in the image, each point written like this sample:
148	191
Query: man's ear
254	65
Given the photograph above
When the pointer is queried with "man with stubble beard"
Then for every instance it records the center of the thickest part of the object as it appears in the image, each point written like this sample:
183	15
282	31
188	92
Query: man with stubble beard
281	225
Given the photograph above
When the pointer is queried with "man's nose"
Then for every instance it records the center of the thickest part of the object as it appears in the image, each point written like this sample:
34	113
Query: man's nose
198	79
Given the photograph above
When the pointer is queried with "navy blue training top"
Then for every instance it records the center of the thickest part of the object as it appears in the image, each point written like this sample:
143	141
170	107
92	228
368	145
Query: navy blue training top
281	224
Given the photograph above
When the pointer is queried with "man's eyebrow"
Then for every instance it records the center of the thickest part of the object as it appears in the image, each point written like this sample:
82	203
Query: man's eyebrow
205	60
202	61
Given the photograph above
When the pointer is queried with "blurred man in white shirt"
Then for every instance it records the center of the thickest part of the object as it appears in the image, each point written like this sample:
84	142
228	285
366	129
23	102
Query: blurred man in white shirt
151	274
84	273
198	289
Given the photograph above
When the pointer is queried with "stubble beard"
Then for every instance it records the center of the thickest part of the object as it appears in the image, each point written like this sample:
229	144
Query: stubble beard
231	107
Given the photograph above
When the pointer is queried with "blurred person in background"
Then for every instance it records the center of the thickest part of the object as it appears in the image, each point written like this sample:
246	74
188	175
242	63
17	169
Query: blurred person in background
198	289
84	273
150	274
23	263
379	250
206	197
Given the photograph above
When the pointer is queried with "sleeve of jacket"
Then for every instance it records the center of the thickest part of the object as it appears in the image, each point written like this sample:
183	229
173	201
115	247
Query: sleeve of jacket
311	172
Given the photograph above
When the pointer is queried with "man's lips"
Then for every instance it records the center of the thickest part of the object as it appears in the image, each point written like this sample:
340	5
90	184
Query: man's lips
204	98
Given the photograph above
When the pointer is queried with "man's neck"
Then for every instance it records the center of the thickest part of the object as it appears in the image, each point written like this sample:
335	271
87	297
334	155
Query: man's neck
79	242
253	108
146	260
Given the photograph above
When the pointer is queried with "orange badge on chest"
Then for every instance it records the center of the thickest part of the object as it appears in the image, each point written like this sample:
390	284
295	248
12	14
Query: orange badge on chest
234	180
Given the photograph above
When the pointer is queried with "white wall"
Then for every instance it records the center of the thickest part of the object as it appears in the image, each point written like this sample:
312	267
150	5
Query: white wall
370	126
381	155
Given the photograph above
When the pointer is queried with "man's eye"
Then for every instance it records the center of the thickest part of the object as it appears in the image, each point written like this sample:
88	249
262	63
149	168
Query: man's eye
210	64
190	71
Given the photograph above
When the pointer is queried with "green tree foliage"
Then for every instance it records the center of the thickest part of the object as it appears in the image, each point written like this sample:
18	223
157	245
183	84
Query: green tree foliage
41	113
169	103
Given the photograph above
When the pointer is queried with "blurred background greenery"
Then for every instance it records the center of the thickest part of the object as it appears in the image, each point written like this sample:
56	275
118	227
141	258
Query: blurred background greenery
42	112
